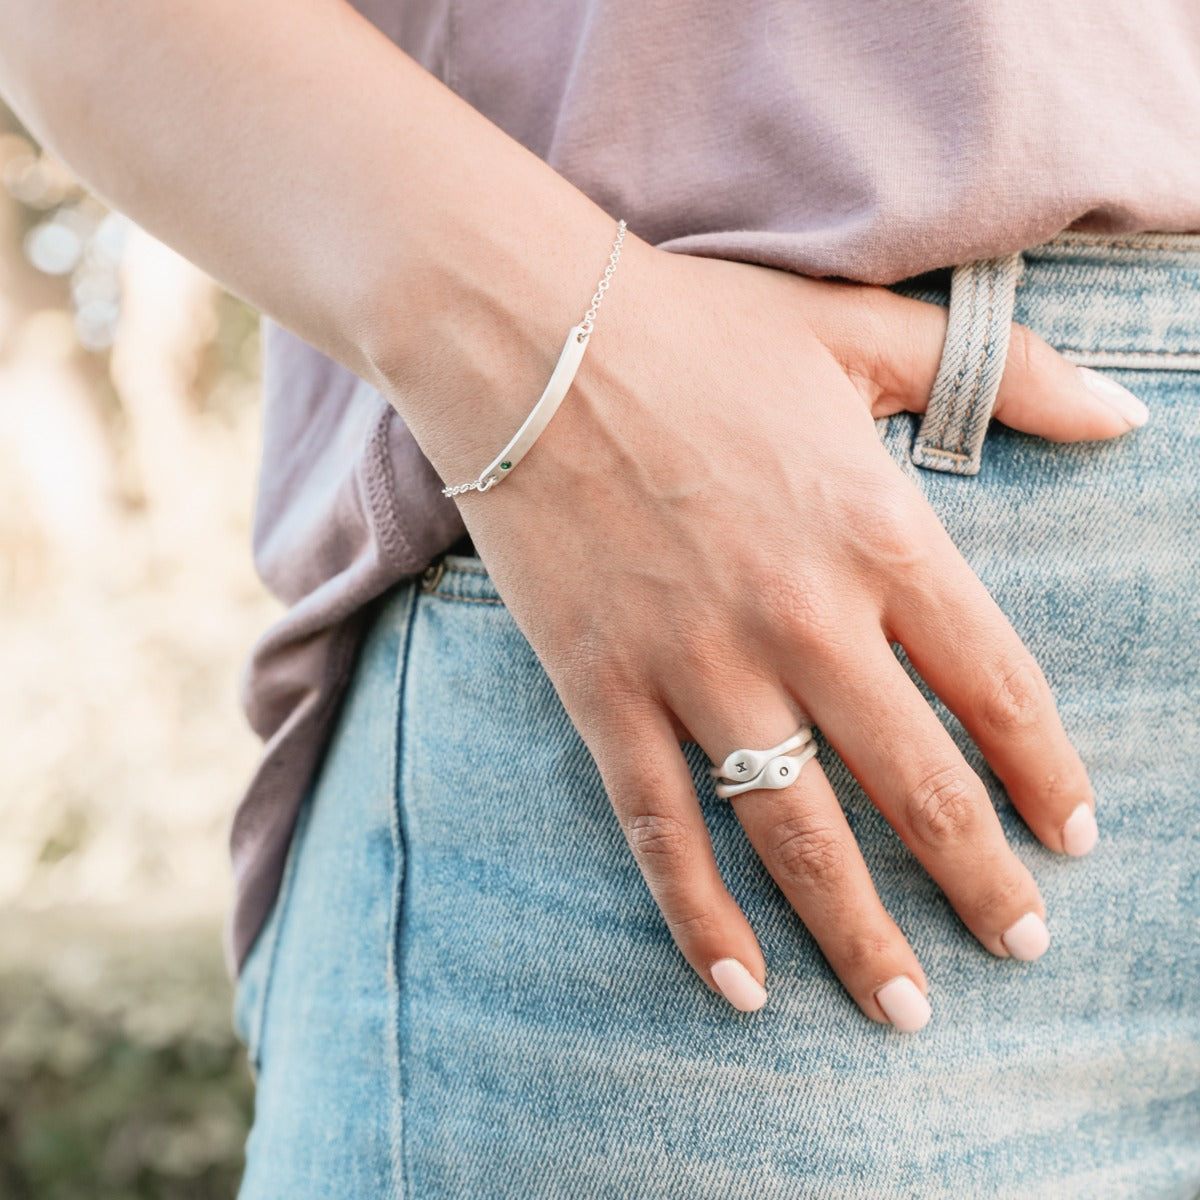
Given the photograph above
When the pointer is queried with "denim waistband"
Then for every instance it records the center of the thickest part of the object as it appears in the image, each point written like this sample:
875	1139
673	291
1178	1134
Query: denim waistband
1127	301
1103	299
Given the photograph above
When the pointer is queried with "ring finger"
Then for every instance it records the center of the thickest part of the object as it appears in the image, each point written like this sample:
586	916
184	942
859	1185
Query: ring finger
802	836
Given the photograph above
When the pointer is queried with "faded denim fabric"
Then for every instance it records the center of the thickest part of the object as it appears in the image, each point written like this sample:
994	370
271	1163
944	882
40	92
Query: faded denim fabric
465	990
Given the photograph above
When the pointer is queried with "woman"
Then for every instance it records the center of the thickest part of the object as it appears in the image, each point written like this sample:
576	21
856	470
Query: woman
765	507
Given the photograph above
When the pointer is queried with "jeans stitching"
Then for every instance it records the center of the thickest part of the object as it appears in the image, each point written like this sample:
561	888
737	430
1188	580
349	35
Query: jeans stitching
951	401
989	334
1128	353
964	358
468	599
399	907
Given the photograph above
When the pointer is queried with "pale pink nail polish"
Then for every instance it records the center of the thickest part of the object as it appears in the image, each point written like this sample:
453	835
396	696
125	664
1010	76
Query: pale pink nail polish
1080	834
1027	938
1115	396
903	1004
737	985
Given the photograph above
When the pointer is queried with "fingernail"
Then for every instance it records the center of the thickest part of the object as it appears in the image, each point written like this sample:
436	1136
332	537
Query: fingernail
1027	938
903	1004
1115	396
1080	834
737	985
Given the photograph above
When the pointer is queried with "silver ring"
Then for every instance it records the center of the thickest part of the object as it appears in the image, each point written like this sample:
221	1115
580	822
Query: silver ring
744	770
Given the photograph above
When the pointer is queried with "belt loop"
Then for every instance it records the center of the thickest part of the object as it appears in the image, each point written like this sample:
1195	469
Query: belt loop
982	293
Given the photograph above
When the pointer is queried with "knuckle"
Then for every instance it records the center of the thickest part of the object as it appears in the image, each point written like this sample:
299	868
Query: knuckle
666	855
698	644
593	659
700	925
792	602
1014	701
862	952
1064	788
1000	903
889	530
943	806
658	838
808	852
586	676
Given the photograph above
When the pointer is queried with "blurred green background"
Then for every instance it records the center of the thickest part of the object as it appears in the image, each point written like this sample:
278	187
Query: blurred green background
128	446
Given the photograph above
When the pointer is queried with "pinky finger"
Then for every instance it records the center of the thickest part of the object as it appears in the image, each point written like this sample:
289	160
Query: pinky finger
659	813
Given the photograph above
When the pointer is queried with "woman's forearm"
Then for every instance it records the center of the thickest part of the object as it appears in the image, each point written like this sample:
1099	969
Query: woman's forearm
313	168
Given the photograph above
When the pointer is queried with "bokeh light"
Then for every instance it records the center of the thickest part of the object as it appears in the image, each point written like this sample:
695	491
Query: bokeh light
129	426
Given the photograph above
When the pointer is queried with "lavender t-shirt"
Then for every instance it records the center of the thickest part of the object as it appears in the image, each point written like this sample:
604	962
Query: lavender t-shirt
872	141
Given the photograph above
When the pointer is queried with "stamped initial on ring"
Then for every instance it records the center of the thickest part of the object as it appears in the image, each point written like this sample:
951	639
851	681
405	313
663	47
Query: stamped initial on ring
773	768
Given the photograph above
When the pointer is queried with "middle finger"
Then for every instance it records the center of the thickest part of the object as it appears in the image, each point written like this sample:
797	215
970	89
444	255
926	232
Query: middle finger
873	714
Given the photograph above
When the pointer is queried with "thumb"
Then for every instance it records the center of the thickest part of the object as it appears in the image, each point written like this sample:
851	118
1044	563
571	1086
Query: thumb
1044	393
1041	392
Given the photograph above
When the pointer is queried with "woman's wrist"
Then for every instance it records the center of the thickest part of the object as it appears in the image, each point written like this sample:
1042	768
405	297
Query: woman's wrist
497	310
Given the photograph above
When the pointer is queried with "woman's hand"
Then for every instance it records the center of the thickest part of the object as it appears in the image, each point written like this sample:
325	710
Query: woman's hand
709	542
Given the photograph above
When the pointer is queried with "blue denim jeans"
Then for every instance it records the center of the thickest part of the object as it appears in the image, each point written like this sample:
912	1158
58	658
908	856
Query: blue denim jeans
465	989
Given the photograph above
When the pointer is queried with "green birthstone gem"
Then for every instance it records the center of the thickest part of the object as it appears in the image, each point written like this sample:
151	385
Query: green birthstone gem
505	465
